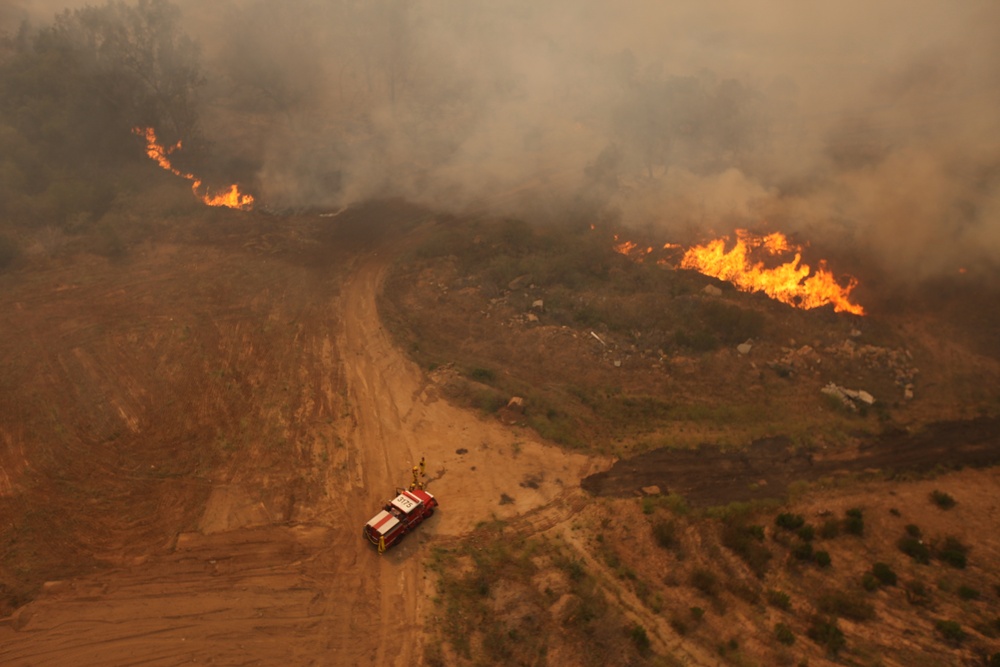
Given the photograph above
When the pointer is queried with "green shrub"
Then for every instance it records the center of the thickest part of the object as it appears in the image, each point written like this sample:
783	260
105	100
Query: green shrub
484	375
803	551
784	634
789	521
806	533
917	593
830	529
884	573
822	558
915	549
953	552
913	530
640	638
968	593
951	631
824	631
705	581
778	599
745	541
9	251
854	522
942	499
847	604
665	533
869	582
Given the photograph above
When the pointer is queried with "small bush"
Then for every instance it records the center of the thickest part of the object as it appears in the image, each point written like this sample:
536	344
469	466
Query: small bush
942	499
803	551
806	533
917	593
953	552
915	549
824	631
640	638
951	631
9	251
884	573
789	521
665	533
968	593
778	599
821	558
784	634
484	375
745	541
846	604
830	529
854	522
705	581
913	530
869	582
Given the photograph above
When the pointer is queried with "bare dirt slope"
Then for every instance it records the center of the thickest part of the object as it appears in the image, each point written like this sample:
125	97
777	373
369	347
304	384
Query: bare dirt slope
252	555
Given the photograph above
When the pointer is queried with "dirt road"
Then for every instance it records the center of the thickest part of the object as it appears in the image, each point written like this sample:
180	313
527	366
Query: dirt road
284	577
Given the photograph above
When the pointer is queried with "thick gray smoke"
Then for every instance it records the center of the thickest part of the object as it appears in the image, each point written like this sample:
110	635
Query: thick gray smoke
870	123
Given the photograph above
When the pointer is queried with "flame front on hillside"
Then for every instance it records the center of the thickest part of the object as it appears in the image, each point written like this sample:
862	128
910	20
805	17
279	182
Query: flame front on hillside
231	198
793	282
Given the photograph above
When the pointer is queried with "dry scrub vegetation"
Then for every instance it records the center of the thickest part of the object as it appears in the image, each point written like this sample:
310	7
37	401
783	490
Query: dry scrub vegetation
824	579
616	356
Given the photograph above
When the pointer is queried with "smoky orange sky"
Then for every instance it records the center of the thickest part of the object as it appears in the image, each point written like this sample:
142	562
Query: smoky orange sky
874	124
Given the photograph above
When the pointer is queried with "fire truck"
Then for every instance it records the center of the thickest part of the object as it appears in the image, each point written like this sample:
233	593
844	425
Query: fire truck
399	516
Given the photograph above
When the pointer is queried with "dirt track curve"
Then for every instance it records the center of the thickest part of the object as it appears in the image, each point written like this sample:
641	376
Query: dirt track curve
249	587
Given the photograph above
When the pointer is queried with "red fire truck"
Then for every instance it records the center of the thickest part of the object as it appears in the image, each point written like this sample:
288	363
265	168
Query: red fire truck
399	516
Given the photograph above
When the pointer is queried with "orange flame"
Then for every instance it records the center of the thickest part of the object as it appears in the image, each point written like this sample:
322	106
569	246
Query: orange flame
231	198
789	283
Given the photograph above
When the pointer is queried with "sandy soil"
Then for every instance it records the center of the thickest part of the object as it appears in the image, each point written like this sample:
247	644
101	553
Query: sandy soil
265	576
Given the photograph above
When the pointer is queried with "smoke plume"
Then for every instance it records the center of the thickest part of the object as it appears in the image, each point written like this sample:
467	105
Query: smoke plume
871	124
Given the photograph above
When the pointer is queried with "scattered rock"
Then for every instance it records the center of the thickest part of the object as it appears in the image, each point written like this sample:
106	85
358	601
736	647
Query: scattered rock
516	403
849	397
539	305
744	348
712	290
651	490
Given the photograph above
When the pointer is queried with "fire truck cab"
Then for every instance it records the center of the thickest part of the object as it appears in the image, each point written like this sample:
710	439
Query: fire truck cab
399	516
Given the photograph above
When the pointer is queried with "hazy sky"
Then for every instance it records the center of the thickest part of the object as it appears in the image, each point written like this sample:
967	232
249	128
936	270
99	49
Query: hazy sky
874	123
